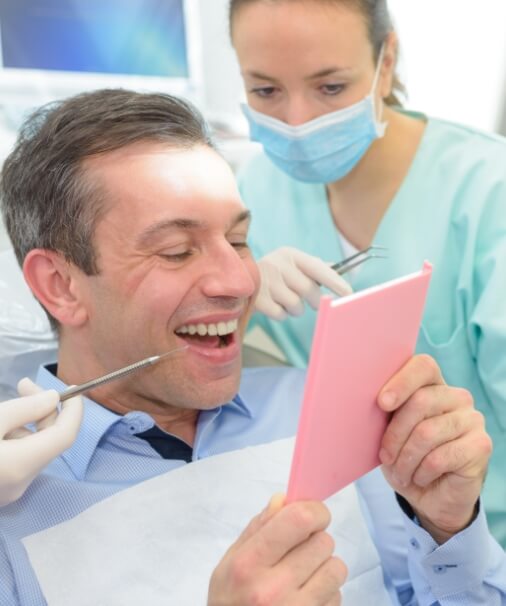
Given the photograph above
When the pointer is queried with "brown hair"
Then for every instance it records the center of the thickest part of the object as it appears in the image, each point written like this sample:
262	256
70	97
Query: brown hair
47	199
379	25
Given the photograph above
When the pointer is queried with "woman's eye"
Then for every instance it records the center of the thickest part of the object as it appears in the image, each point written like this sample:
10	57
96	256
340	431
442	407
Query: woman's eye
263	91
332	89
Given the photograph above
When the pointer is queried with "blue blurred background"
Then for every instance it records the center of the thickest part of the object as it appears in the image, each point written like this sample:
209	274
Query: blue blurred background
137	37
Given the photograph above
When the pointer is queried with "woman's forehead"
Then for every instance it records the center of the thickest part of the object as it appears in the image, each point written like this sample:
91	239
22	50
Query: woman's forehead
266	33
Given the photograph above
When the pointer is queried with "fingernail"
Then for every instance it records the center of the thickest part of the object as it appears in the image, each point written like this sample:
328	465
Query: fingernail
275	504
277	501
388	400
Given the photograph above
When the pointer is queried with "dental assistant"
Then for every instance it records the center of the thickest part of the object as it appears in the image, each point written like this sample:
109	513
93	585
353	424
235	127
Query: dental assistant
345	167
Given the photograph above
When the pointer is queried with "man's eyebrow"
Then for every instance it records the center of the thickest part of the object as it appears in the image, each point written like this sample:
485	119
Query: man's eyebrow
151	232
243	216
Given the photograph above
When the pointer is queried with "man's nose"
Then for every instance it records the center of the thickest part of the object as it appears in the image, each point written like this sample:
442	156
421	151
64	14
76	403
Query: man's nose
230	275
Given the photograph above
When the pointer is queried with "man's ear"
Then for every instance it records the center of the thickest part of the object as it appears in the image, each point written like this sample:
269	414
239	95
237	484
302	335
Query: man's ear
52	280
387	69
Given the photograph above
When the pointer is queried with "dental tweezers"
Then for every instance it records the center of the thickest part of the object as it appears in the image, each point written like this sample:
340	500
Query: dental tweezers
358	258
117	374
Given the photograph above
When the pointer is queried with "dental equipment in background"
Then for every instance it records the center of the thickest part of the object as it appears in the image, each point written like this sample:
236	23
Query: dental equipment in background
358	258
117	374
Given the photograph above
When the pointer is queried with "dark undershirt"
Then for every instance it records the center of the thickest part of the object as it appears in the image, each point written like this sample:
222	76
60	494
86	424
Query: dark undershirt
166	445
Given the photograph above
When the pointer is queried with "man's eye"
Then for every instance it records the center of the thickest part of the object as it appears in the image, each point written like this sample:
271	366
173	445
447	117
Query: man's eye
332	89
175	257
240	244
263	91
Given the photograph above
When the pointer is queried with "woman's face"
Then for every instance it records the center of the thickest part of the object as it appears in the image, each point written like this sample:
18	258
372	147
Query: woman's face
300	60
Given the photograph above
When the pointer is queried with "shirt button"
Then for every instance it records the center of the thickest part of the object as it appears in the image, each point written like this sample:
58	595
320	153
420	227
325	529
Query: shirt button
414	543
439	569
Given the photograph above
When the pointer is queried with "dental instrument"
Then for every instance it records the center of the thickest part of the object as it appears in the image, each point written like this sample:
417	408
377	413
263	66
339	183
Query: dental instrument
358	258
116	374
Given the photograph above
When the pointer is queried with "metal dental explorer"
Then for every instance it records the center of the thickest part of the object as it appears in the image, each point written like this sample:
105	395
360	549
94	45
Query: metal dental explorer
117	374
358	258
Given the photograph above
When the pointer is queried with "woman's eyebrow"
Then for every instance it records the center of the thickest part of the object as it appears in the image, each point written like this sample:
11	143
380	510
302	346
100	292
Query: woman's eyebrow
327	72
259	75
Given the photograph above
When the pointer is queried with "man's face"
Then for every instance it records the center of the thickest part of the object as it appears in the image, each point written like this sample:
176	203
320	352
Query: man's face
174	269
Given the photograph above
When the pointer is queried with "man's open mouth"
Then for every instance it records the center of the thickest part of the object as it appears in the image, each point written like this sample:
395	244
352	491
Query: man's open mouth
216	335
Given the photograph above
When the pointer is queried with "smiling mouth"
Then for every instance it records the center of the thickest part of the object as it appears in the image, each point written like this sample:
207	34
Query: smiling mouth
217	335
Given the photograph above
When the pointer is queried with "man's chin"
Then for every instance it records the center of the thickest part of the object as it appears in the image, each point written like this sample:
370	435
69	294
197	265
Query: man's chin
216	394
219	390
196	387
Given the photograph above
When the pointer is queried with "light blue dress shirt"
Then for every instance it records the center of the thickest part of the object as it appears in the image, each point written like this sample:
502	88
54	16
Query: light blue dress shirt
107	457
451	210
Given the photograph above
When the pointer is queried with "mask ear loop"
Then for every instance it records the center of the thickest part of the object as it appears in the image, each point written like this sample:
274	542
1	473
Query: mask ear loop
380	126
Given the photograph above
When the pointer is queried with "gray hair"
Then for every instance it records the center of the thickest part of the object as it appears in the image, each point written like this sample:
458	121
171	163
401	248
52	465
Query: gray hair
47	199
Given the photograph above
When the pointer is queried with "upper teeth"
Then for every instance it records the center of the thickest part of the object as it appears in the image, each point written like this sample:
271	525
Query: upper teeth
221	328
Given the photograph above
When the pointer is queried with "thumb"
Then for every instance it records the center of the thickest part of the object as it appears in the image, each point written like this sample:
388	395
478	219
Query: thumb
323	274
69	420
26	387
275	505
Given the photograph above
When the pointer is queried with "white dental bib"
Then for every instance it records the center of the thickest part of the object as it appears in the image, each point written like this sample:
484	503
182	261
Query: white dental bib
158	542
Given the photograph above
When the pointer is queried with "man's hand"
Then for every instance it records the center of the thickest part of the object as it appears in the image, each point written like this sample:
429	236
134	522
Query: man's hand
435	450
23	453
284	557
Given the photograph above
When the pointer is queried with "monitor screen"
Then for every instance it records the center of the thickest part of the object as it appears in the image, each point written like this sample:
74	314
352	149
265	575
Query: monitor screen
54	48
134	37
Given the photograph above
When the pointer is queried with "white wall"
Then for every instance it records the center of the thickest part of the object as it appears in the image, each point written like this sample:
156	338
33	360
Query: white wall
222	81
454	58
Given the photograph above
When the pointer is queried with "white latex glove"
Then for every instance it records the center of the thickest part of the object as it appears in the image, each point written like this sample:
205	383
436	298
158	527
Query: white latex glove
24	453
288	277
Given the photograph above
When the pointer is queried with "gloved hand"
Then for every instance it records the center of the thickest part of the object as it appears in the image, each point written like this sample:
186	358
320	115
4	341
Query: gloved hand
24	453
289	277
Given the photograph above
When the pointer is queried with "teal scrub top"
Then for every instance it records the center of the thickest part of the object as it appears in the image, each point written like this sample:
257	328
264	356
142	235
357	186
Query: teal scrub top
450	210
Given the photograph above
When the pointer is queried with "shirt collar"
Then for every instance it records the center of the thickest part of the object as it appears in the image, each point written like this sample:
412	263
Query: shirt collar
240	405
97	421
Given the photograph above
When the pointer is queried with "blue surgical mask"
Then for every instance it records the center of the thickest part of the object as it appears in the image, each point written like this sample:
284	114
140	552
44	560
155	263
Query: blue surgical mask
324	149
